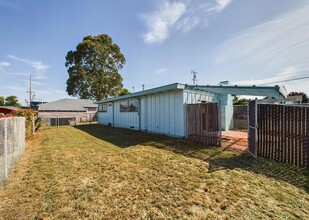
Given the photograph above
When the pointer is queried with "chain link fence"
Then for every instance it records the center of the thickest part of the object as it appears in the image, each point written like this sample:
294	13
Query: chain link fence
12	143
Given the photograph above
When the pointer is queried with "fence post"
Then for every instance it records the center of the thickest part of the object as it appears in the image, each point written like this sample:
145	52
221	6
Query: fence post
219	122
5	149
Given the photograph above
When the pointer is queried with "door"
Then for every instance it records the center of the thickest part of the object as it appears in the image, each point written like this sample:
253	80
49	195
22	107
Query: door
252	127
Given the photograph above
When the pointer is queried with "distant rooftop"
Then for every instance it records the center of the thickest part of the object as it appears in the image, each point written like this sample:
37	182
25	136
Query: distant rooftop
67	105
10	107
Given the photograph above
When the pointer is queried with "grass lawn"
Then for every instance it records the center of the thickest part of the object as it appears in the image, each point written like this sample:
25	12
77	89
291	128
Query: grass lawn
97	172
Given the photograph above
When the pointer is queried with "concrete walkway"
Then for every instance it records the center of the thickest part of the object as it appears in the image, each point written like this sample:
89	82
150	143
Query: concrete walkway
236	139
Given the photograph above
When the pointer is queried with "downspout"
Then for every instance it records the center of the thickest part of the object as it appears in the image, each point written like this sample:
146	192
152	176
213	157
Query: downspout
113	114
139	114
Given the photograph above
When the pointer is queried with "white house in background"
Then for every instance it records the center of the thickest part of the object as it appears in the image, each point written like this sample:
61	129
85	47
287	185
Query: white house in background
163	109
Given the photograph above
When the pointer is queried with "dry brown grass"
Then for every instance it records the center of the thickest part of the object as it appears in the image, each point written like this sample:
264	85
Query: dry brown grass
100	172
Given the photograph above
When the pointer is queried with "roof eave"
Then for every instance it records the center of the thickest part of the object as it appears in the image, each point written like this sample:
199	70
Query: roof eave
174	86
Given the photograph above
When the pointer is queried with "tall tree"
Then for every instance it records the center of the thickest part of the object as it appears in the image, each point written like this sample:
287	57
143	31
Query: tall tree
93	68
123	91
238	101
304	96
1	100
11	101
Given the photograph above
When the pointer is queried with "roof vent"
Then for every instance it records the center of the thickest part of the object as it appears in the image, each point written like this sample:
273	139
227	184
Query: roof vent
224	83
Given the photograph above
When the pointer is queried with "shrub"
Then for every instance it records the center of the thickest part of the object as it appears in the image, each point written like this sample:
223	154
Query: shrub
33	120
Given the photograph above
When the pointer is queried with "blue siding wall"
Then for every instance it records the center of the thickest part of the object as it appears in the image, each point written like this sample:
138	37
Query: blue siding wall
163	113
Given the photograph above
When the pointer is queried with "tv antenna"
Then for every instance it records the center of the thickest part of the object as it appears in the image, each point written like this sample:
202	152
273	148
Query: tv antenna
194	79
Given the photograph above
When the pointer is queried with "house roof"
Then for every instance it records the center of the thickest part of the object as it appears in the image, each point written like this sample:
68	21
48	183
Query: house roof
174	86
295	98
67	105
273	91
9	107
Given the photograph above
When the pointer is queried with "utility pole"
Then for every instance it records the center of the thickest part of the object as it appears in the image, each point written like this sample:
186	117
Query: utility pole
30	91
194	77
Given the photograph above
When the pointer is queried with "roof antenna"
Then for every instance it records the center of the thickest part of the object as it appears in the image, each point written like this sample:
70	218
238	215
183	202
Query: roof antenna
143	86
31	93
194	73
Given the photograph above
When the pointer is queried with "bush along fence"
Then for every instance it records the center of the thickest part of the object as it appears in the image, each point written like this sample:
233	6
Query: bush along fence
33	121
12	143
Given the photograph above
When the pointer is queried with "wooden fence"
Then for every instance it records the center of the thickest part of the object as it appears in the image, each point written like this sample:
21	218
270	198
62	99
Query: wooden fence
283	133
203	123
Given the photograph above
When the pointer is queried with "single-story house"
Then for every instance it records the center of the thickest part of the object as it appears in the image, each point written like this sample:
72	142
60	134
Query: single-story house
296	99
163	109
67	111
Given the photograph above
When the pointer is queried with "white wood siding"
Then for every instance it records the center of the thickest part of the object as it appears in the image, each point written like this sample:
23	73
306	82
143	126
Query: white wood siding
106	118
125	119
162	113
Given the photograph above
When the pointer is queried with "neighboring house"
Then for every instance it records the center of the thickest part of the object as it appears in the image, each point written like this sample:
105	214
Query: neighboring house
7	109
296	99
269	100
163	109
67	111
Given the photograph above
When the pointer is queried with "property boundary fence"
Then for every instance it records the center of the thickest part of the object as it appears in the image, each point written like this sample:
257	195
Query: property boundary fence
203	123
283	133
12	143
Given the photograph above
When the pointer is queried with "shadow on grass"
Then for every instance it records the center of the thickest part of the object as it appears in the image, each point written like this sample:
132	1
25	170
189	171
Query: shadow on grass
218	158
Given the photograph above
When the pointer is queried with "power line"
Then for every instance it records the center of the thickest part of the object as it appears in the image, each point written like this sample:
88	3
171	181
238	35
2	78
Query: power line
287	80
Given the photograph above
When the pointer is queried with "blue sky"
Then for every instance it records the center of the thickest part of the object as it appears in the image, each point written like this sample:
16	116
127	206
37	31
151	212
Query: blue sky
245	42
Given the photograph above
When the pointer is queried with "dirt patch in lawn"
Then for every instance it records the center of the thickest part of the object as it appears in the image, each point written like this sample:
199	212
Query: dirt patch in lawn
97	172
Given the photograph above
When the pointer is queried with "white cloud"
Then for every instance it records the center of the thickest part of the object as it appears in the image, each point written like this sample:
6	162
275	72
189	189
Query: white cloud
160	21
278	46
287	74
160	71
220	5
16	74
16	88
180	16
4	64
281	41
34	83
39	67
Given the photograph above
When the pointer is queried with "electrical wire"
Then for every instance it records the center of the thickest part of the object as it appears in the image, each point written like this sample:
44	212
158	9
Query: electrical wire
287	80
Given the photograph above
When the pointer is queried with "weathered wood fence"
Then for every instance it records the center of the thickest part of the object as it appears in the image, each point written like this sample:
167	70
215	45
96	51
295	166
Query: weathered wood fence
203	123
283	133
